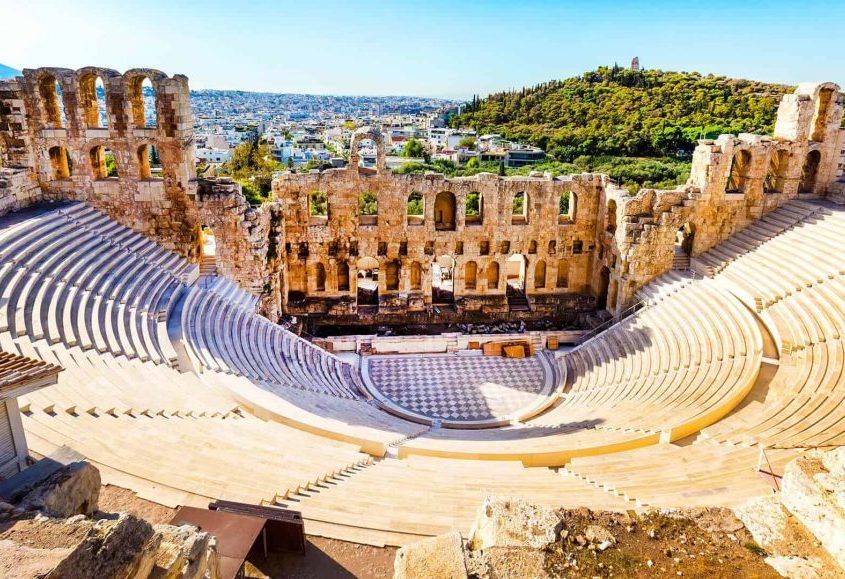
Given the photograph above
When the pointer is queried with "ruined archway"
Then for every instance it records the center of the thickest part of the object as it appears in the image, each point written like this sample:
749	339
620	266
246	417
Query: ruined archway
610	217
515	271
342	276
103	162
470	275
444	211
60	163
738	174
367	281
604	284
540	275
416	208
92	100
443	280
474	208
776	174
52	103
416	276
810	172
492	275
371	134
519	208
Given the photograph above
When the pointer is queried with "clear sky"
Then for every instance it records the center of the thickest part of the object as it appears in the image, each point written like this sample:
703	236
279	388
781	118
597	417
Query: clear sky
448	48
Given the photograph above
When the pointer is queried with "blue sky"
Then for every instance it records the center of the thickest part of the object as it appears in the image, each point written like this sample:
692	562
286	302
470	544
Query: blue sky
432	48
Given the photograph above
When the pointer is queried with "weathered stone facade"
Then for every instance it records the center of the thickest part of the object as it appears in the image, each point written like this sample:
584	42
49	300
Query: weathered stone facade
594	254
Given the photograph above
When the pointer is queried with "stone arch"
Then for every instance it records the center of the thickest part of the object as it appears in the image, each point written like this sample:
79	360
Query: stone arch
470	275
319	277
416	276
442	279
516	271
810	172
103	162
342	276
474	208
532	246
824	99
610	216
562	273
60	162
94	111
738	173
136	81
318	207
52	104
776	174
368	208
392	270
492	275
367	282
519	208
367	133
540	275
415	208
604	284
685	240
444	211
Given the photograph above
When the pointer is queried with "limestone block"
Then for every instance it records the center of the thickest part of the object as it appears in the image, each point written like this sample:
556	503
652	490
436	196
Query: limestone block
118	548
440	557
512	522
814	495
185	552
72	490
766	520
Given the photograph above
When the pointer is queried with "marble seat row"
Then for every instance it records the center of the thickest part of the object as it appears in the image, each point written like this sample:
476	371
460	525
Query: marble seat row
225	337
73	275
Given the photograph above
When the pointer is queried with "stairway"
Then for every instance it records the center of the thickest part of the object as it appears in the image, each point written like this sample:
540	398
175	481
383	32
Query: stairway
681	261
517	300
208	266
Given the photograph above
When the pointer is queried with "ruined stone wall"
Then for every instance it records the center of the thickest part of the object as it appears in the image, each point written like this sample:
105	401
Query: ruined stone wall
597	254
343	238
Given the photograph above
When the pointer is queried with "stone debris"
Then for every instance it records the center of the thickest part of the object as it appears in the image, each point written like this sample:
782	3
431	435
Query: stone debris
441	557
73	489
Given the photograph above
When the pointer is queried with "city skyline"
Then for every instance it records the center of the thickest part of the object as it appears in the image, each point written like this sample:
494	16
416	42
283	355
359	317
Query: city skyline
430	49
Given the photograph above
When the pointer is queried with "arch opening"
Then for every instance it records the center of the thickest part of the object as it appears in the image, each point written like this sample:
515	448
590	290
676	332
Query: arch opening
319	277
809	172
470	275
50	91
442	280
103	162
738	174
822	109
444	211
367	282
144	99
519	208
474	208
604	284
416	276
540	275
776	175
92	96
562	274
367	208
343	276
610	217
318	208
515	270
60	162
416	208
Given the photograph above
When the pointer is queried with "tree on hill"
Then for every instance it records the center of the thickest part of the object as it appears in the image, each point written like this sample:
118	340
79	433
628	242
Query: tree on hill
466	143
616	111
413	148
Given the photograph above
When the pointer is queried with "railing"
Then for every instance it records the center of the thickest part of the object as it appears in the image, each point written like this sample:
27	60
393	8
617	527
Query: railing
771	472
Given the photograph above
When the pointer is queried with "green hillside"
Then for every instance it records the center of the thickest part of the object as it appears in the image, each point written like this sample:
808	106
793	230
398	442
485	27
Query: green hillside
611	111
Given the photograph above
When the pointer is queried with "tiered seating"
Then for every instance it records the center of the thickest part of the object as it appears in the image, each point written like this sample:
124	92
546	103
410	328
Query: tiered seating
73	275
668	475
230	291
189	460
395	502
674	368
225	337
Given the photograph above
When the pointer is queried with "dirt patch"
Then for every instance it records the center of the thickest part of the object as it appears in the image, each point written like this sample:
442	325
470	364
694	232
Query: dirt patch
655	544
119	500
44	533
327	558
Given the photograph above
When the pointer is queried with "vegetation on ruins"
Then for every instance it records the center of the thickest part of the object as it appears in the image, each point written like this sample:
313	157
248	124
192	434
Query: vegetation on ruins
111	165
614	111
368	203
416	205
318	203
252	165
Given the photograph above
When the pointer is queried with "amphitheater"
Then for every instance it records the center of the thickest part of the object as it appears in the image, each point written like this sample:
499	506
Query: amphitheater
721	361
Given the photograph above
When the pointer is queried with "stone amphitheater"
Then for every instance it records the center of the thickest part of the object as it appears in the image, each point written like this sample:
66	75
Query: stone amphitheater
723	361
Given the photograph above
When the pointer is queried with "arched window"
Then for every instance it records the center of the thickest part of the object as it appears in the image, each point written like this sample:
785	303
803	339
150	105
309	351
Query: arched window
738	175
368	208
493	275
51	97
416	208
416	276
610	217
103	163
532	246
519	210
444	211
343	276
470	274
143	96
474	208
540	275
60	162
810	172
92	97
318	207
822	109
391	275
776	176
562	273
320	277
566	207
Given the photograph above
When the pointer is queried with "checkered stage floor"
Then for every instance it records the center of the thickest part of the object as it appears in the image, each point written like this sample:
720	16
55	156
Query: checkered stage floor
450	387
